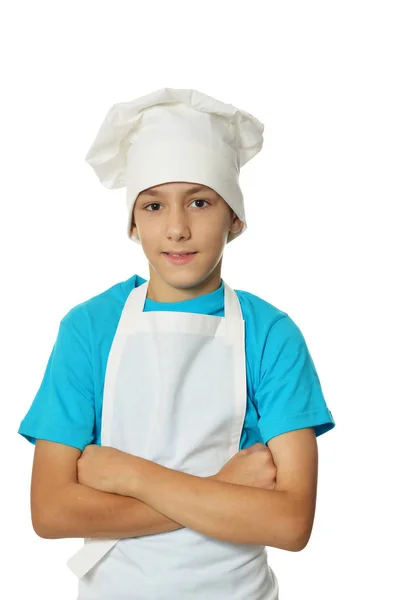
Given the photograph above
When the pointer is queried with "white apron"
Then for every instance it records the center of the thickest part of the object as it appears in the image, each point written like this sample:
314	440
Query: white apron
175	393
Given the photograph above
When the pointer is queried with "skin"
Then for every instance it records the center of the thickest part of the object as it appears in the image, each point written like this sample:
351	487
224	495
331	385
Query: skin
281	517
168	217
108	493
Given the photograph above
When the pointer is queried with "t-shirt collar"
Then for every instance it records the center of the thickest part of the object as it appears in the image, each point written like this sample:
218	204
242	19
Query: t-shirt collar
208	304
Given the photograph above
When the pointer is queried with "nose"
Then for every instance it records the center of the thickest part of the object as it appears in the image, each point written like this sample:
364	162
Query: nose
177	226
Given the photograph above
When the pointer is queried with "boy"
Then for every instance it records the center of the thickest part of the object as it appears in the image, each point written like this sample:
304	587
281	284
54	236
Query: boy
159	396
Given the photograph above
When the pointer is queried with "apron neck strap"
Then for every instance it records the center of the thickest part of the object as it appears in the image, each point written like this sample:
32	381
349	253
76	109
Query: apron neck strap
232	308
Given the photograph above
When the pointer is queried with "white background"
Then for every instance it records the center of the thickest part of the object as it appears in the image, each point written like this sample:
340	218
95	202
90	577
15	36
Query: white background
321	243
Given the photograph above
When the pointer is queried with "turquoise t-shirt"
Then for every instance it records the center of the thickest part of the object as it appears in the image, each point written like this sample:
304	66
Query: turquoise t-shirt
283	388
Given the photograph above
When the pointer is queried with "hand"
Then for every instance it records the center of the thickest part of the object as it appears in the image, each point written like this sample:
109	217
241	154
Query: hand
251	466
106	469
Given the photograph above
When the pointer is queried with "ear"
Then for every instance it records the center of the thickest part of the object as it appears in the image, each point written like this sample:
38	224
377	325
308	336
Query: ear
133	228
236	224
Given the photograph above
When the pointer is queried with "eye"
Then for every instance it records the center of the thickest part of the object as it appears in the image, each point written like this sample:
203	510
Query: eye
200	200
152	205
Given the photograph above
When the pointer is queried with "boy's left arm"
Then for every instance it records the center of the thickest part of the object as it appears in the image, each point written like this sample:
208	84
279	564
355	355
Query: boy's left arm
281	518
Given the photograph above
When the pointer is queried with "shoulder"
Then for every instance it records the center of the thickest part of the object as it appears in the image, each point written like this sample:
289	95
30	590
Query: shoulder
262	317
101	309
270	333
255	305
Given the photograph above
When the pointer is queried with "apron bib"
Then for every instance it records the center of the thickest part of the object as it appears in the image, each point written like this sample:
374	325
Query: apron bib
175	393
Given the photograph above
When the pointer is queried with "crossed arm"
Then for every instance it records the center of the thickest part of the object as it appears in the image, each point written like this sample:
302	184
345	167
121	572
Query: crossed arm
145	498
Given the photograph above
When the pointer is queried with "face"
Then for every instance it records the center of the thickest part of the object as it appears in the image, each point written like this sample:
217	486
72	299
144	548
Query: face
183	217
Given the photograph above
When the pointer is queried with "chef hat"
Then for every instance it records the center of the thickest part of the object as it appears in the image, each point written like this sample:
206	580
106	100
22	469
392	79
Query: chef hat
176	135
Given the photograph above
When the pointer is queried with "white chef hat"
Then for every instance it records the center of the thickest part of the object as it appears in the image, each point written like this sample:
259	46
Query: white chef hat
176	135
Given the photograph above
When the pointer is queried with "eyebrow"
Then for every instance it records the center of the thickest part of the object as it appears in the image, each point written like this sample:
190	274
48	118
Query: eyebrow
193	190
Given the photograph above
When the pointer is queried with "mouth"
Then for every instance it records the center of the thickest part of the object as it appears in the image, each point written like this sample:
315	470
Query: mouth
179	258
177	254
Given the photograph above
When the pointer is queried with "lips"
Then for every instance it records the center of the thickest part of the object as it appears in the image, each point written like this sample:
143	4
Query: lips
180	258
177	254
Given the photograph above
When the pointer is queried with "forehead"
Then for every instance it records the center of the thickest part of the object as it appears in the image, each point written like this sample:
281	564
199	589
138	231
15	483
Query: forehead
181	187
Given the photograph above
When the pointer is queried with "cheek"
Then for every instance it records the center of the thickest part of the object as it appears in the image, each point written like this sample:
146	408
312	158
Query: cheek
148	230
147	245
150	242
214	232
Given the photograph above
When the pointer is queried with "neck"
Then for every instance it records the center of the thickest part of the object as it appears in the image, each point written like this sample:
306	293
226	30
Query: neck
161	290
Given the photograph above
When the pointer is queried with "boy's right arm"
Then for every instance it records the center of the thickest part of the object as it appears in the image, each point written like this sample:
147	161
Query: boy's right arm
61	507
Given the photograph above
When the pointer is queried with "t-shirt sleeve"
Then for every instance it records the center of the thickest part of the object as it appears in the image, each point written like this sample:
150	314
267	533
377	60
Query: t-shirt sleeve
289	394
63	409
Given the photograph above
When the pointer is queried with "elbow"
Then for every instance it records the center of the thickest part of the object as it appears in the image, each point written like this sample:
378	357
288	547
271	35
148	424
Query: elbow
289	539
46	535
44	524
300	540
44	529
298	544
49	514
